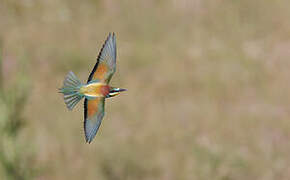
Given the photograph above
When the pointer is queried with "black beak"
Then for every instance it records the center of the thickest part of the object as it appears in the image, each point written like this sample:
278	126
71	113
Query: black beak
121	90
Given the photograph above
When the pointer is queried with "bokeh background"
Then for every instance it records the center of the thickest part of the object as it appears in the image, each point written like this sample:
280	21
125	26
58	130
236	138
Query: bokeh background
208	81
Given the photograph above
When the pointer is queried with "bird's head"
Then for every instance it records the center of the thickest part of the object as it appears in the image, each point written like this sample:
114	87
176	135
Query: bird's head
115	91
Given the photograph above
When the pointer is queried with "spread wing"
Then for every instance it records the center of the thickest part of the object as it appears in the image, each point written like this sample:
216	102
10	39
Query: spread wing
94	113
106	61
105	67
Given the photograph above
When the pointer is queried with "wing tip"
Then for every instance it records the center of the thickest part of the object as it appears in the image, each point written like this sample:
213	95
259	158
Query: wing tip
88	140
112	35
87	137
91	129
112	39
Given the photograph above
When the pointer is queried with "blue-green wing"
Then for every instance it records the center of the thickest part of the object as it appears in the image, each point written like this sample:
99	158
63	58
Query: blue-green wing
105	66
94	111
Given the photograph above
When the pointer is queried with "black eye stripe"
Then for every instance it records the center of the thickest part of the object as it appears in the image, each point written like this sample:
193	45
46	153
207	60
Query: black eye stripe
113	91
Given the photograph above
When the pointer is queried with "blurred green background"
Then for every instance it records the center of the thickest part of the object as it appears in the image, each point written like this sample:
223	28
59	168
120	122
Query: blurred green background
208	81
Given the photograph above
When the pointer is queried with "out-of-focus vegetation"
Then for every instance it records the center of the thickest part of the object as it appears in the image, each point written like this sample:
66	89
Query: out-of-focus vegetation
16	157
208	81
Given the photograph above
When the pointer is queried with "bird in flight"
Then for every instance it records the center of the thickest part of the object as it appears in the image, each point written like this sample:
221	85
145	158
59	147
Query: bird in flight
96	90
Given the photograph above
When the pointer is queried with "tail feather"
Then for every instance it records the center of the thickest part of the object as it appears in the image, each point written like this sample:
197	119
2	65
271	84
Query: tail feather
70	90
72	101
71	80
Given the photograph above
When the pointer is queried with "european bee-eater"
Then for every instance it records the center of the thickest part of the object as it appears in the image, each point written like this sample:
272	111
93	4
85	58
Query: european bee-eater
96	90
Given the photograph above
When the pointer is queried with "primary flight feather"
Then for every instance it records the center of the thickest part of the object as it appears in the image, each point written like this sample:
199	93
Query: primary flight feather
96	90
